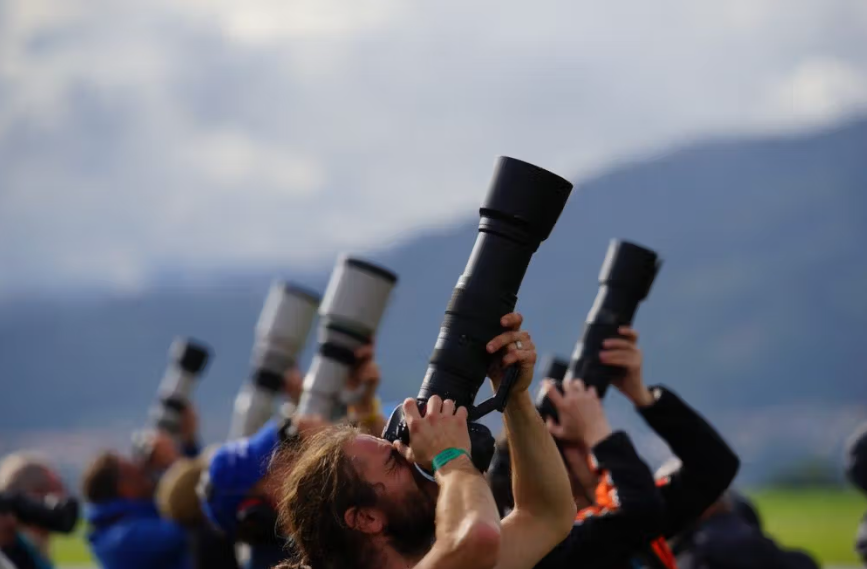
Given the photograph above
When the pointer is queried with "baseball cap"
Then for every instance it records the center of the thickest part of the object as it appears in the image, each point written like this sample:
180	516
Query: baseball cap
235	469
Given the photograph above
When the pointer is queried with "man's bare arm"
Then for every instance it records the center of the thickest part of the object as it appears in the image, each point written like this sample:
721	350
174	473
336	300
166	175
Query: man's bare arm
467	520
544	509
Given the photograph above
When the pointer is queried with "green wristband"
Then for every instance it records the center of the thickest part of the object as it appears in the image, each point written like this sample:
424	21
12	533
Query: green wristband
447	456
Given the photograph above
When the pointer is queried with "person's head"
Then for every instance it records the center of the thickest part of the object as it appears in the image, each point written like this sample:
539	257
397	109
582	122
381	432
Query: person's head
112	477
346	499
236	472
29	474
582	477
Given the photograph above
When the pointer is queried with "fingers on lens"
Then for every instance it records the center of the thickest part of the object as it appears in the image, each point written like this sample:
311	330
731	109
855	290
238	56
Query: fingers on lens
629	332
434	405
410	412
512	320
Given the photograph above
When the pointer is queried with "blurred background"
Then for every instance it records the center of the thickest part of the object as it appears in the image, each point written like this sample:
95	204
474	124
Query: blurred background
162	161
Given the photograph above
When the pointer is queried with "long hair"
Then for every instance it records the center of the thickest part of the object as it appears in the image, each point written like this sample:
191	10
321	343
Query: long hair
316	484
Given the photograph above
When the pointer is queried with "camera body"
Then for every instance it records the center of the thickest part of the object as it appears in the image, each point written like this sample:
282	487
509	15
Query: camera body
281	333
58	515
522	205
625	279
187	359
352	307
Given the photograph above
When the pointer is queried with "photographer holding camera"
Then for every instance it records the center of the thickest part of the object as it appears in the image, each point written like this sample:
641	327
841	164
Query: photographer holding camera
353	500
126	528
33	505
235	491
624	515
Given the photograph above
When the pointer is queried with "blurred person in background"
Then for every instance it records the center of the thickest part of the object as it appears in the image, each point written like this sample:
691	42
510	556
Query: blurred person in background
624	515
177	500
856	472
126	530
729	536
354	500
235	491
31	475
235	494
157	450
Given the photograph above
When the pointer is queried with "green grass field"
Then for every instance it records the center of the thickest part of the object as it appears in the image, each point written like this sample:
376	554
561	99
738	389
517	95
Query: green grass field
820	521
71	550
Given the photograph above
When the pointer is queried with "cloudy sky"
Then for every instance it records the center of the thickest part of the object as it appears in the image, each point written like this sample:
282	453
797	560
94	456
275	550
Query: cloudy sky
138	137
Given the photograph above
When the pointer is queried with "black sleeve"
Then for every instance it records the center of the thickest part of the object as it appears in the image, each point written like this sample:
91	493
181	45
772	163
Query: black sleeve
708	464
627	515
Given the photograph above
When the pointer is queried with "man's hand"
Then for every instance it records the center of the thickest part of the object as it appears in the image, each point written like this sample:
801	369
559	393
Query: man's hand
582	419
624	352
365	374
507	343
441	427
164	452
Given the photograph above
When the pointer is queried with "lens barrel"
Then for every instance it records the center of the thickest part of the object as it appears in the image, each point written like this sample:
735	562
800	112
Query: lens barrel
59	515
352	307
187	360
281	333
553	368
522	205
624	281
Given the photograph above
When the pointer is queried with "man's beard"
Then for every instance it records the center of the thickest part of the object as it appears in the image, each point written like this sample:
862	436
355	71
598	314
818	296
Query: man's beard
412	520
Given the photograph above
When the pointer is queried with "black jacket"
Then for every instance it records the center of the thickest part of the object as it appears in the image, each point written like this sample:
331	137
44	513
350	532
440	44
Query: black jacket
641	510
727	541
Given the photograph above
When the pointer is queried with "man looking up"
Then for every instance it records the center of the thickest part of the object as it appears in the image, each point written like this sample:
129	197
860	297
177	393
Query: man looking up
352	500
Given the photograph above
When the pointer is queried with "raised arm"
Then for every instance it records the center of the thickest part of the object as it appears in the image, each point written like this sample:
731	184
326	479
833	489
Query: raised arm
467	520
709	464
544	509
626	511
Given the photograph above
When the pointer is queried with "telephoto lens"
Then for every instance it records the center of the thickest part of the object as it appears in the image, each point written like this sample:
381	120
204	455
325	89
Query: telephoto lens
553	368
519	212
51	513
349	316
624	281
187	360
281	333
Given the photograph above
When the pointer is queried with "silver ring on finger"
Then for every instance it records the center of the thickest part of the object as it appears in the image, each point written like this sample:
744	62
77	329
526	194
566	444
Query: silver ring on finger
518	344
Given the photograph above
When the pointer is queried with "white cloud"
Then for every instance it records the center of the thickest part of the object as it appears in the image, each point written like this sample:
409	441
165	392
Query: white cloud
141	136
820	89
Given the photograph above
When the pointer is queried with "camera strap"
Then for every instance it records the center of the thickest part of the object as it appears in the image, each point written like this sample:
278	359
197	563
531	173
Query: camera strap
425	473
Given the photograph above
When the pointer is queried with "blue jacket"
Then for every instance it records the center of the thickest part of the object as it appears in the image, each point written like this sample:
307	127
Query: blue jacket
129	534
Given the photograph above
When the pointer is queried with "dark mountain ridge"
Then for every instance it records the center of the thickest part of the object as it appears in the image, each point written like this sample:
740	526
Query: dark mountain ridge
762	298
